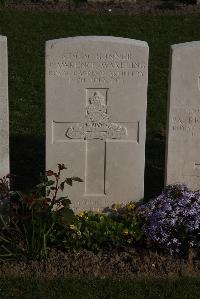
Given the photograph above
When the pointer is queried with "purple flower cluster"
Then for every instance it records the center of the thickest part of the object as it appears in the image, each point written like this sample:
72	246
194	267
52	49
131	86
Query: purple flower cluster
172	220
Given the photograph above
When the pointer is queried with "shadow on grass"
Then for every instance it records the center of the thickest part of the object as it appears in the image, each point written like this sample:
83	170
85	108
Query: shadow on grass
27	160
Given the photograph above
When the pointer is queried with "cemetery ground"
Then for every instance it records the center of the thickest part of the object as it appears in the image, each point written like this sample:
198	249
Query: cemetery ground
27	33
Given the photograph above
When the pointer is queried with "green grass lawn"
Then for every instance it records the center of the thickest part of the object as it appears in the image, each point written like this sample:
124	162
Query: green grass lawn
27	33
93	288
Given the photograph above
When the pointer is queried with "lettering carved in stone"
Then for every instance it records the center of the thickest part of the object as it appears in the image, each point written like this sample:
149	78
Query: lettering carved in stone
97	123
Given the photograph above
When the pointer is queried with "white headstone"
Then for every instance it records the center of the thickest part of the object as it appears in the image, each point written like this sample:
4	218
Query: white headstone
183	137
96	98
4	116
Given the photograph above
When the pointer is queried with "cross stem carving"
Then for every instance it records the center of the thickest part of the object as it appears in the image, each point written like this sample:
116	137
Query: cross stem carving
97	130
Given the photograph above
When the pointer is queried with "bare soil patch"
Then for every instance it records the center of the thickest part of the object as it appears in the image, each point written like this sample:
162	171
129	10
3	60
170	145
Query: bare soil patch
128	262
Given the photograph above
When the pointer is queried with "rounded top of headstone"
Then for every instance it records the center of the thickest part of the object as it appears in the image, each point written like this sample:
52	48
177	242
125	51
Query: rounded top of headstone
114	39
3	38
186	45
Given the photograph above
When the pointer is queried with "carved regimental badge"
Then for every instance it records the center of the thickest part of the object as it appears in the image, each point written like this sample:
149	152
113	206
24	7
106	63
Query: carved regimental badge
97	123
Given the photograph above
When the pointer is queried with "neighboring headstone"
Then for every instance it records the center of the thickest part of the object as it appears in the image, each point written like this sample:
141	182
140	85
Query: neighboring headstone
96	99
183	140
4	113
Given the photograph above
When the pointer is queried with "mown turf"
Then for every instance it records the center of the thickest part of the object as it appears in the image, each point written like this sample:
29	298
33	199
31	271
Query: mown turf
27	33
88	288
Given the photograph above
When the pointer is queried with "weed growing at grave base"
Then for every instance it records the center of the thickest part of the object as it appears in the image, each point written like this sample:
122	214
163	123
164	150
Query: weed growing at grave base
33	217
118	227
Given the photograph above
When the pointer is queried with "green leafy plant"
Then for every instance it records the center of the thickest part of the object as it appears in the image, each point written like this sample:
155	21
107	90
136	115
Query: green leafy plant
117	228
34	217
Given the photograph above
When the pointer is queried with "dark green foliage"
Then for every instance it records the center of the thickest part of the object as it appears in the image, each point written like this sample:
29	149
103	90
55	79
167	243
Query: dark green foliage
40	219
118	227
34	216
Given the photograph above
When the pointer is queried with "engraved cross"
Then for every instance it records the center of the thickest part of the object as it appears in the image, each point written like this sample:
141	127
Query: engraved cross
97	130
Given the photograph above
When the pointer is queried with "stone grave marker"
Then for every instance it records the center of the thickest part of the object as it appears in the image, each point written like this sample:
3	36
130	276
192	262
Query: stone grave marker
183	132
96	99
4	116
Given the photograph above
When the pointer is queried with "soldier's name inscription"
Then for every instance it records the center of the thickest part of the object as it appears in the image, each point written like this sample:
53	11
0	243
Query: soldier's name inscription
186	120
112	67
